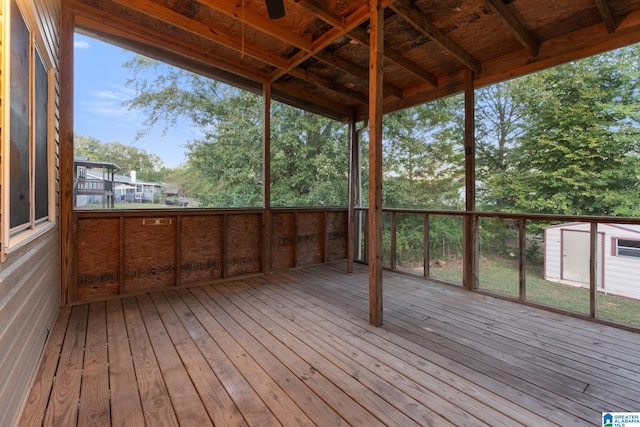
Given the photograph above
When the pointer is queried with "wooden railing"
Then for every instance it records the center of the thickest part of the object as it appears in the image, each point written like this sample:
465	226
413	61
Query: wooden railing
523	249
92	186
130	251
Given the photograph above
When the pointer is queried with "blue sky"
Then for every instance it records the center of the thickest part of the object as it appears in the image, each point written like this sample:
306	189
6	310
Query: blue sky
99	90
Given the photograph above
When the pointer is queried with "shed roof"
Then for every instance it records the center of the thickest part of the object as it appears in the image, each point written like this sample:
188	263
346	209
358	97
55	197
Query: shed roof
316	56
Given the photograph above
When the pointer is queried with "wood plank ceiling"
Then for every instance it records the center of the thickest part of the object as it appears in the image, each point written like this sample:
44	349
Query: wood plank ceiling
316	56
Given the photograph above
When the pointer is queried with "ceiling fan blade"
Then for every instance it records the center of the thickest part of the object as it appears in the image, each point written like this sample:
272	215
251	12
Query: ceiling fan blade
275	8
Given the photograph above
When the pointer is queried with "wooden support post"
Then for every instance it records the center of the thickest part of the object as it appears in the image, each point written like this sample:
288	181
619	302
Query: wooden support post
68	232
522	264
376	47
593	269
354	170
267	223
470	231
425	245
393	261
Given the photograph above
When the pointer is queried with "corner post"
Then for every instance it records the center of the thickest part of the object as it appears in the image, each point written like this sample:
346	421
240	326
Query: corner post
470	240
376	50
67	221
354	170
266	178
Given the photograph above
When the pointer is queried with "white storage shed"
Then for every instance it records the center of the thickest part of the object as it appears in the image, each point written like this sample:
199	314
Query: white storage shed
566	257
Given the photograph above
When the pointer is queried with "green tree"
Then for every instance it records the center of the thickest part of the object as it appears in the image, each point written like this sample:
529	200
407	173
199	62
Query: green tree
579	148
423	156
309	159
499	126
309	156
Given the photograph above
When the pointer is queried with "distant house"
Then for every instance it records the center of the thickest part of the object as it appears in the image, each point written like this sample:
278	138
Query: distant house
128	189
93	182
97	183
567	252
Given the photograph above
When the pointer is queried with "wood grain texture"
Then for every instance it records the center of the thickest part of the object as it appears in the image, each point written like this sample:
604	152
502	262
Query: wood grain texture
150	253
126	409
296	348
283	241
202	248
98	265
243	244
63	407
94	408
337	233
309	238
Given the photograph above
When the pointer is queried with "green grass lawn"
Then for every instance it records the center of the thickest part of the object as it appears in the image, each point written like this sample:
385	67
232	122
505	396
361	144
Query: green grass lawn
501	276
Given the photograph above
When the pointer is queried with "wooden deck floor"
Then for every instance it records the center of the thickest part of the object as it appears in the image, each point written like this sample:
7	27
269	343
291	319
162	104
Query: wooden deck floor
296	349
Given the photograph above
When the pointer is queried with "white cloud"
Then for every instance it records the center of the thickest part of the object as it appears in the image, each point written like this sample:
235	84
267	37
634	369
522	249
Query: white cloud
108	102
81	44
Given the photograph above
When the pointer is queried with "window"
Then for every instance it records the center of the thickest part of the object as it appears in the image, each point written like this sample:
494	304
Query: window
26	199
628	248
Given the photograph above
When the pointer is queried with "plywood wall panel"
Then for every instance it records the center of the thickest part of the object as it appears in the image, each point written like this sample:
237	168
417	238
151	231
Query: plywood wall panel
309	238
98	258
283	241
150	253
243	244
337	234
201	248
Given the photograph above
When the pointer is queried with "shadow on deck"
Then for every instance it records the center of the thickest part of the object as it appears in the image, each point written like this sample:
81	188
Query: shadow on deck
296	348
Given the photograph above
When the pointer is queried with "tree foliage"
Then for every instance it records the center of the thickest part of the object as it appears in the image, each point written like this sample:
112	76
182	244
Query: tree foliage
563	140
309	155
423	156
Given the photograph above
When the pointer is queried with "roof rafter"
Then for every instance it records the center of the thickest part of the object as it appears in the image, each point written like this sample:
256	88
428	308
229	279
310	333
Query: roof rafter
111	25
322	82
607	16
413	16
339	30
361	36
264	25
361	73
515	26
195	27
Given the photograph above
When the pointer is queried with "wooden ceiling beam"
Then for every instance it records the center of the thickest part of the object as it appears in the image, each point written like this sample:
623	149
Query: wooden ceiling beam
268	26
361	73
349	27
321	12
325	83
607	16
514	25
157	11
359	35
300	98
327	38
413	16
110	24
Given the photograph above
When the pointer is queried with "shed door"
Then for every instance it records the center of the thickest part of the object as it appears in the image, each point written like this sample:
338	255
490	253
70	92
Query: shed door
575	257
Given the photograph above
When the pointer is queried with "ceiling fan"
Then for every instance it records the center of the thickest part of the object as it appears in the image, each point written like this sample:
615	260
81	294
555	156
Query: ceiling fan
275	8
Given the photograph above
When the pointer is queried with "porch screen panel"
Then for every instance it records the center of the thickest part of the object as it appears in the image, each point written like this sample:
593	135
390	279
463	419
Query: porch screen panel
19	120
41	139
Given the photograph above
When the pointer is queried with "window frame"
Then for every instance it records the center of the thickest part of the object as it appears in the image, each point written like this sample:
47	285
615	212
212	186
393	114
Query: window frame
13	238
632	252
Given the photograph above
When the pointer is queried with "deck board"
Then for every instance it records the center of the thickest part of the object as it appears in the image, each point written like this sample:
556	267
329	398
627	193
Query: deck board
94	395
296	348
